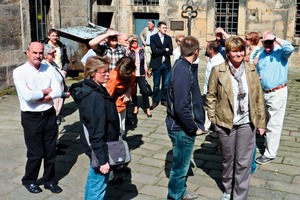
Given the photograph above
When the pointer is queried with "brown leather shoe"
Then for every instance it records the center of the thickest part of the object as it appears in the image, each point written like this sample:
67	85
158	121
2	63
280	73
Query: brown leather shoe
164	103
154	105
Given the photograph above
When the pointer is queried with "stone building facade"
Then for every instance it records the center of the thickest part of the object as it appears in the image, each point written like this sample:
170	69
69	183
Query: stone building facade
16	21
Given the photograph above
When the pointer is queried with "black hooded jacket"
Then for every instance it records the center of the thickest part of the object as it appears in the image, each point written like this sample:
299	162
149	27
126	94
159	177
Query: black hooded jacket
98	113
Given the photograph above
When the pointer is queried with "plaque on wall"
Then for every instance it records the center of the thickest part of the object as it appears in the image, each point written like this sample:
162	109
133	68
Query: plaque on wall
176	25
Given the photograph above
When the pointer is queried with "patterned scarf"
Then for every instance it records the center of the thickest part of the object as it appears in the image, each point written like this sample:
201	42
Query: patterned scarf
238	77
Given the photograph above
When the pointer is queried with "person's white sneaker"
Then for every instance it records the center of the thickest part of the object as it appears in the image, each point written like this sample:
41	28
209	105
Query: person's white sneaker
225	196
190	196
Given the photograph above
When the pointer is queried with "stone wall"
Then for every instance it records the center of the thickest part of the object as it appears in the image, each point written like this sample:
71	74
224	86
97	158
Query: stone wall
254	15
15	30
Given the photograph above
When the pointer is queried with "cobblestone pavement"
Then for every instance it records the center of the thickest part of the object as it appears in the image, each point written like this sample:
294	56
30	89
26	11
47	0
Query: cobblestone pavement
151	158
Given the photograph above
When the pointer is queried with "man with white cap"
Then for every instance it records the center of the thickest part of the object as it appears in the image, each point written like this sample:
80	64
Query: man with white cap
272	67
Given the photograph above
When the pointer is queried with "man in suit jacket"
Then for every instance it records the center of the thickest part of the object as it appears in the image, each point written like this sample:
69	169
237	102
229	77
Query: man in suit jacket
162	49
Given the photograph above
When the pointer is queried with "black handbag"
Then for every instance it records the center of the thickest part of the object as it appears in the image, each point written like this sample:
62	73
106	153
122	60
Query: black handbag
118	152
149	89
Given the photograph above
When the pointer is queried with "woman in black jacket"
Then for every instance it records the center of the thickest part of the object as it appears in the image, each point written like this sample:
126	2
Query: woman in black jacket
99	117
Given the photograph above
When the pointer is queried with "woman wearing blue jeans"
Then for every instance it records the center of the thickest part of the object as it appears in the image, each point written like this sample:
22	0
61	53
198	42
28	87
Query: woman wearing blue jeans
99	116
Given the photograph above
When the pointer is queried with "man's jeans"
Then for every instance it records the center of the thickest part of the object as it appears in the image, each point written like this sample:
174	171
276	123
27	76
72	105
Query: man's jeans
161	73
182	152
96	184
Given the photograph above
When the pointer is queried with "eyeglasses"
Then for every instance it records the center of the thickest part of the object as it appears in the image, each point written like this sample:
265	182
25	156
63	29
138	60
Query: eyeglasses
247	39
103	73
268	42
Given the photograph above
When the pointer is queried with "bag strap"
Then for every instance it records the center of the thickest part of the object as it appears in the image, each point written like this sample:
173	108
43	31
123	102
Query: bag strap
86	134
63	78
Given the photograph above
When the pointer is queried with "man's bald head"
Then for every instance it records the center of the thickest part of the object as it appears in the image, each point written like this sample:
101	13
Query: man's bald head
35	53
123	39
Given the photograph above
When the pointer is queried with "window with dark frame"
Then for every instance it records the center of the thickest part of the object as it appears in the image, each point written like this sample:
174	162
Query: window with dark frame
297	24
38	19
104	18
226	15
104	2
146	2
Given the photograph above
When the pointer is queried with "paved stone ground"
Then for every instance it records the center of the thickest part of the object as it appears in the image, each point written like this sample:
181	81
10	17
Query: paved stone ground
151	158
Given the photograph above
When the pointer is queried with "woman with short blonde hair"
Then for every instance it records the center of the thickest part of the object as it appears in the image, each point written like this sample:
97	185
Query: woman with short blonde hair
235	105
98	115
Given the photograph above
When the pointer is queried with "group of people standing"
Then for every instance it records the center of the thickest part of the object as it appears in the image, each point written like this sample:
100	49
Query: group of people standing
245	91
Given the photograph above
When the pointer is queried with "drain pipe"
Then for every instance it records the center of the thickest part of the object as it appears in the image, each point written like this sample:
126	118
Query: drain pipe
89	10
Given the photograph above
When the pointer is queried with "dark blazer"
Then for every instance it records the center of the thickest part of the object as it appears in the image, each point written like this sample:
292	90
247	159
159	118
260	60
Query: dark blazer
159	50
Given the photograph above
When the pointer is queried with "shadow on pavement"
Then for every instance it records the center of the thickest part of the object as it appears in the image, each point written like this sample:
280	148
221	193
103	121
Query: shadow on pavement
69	108
209	158
125	190
68	150
168	165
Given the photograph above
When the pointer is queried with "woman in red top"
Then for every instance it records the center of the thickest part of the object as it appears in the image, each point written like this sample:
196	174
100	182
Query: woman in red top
121	86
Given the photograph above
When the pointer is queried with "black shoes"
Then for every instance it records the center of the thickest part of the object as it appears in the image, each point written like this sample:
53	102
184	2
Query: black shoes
54	188
33	188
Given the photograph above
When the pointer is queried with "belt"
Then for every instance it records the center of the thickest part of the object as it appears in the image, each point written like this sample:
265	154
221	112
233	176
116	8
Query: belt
276	88
41	113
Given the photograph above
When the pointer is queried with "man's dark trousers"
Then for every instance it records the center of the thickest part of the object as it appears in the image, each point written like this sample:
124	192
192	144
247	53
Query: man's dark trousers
40	133
163	73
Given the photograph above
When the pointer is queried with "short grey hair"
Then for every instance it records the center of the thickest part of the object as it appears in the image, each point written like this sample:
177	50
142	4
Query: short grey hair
48	48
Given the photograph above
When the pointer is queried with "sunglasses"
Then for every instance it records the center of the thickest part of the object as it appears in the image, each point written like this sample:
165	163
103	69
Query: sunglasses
268	42
53	52
133	41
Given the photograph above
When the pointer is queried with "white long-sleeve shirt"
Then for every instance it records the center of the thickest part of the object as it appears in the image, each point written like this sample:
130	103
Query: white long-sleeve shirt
30	82
216	60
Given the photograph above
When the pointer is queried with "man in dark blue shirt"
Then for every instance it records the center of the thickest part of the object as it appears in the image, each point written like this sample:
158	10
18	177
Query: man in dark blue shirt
185	116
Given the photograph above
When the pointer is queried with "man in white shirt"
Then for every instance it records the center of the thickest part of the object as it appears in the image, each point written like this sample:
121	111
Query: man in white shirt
215	58
145	37
37	86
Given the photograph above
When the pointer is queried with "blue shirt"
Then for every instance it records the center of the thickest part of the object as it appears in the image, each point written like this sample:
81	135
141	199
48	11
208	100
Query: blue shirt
273	68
